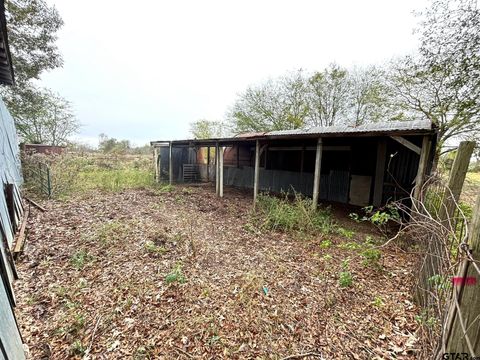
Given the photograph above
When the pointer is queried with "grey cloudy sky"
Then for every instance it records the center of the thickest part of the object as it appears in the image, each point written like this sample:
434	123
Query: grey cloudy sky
143	70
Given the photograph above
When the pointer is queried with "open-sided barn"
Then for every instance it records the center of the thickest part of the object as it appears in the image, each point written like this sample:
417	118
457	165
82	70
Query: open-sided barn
368	164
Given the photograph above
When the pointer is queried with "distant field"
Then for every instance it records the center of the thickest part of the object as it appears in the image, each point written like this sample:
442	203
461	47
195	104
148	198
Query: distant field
74	174
471	188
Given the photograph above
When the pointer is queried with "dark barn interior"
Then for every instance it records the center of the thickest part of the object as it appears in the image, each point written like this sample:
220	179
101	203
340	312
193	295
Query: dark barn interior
373	164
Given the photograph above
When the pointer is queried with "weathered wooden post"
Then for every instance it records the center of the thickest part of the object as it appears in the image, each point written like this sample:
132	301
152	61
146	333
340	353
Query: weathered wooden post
422	167
257	172
467	314
380	172
208	163
217	184
316	179
456	179
436	250
155	159
220	165
170	165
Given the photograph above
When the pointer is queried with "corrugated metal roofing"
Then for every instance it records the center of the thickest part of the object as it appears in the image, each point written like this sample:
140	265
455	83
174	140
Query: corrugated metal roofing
370	127
384	128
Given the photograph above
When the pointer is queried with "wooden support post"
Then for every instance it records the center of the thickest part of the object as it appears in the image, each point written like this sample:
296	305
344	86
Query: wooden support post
422	166
216	169
238	156
170	165
257	172
457	340
316	178
407	144
379	172
220	173
208	163
265	159
155	159
302	159
456	179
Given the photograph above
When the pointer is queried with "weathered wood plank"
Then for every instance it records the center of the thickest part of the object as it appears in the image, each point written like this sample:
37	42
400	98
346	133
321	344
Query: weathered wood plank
220	174
422	166
379	172
20	242
170	165
316	179
257	173
407	144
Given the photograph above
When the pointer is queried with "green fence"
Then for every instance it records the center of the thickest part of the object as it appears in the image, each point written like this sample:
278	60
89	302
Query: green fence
37	175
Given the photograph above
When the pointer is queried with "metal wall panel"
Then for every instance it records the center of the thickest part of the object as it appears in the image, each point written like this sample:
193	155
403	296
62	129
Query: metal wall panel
10	173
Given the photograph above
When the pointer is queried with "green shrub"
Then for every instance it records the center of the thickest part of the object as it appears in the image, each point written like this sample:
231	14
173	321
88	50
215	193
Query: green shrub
378	302
295	215
350	246
325	244
371	257
346	279
345	232
77	348
176	275
152	248
166	188
80	259
111	231
379	217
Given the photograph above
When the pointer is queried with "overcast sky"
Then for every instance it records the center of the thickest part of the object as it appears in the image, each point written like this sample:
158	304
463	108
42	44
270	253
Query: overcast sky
143	70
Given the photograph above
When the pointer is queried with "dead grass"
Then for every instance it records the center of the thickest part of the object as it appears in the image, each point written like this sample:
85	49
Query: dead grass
94	282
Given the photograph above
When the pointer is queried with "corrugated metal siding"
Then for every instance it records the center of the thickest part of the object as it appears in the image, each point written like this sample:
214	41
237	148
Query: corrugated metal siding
180	156
10	173
401	170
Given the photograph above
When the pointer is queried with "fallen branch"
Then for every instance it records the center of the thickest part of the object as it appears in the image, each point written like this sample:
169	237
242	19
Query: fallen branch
93	336
183	352
38	206
301	356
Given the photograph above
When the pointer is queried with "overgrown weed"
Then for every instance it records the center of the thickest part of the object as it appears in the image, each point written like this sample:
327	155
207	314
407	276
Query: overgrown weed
297	215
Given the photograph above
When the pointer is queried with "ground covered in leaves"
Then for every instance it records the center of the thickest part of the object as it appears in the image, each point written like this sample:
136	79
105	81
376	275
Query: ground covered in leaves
180	273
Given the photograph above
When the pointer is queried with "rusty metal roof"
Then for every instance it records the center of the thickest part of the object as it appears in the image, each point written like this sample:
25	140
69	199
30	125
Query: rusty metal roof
348	129
370	129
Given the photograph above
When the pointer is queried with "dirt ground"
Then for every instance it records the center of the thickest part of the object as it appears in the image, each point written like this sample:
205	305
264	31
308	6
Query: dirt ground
182	274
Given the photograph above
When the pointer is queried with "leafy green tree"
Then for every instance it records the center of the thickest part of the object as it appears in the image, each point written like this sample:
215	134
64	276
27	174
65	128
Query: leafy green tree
207	129
328	96
276	104
42	117
369	98
325	98
112	145
32	34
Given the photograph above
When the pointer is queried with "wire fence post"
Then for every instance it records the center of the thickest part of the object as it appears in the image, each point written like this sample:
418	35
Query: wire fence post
49	183
464	317
456	179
